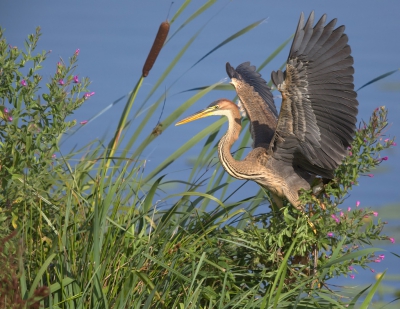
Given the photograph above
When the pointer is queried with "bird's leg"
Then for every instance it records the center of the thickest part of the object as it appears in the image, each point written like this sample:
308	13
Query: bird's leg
277	200
318	188
293	197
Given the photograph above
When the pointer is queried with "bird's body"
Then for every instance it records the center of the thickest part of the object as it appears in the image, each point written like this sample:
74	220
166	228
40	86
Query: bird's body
317	119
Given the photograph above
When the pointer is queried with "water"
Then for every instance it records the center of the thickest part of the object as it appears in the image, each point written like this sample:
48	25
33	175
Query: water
114	40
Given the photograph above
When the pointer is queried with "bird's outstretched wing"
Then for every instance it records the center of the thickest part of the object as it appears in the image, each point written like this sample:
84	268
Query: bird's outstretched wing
257	100
319	107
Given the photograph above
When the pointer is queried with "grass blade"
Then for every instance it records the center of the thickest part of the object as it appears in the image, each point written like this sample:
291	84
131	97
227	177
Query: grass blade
232	37
378	78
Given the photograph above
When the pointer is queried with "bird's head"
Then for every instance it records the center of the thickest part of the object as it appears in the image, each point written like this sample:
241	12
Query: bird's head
221	107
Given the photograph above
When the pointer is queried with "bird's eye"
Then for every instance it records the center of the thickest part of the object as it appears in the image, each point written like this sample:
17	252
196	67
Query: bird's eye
216	106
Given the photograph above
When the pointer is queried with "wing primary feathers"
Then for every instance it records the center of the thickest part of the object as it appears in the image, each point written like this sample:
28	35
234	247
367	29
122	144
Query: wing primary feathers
298	36
319	105
308	31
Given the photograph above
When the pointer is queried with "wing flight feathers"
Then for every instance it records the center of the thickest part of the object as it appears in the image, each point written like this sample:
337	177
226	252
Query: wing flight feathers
319	107
257	100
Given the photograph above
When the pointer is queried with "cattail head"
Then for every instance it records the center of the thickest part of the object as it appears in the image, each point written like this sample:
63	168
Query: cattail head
156	48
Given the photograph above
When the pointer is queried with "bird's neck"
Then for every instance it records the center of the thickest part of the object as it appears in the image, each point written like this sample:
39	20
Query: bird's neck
235	168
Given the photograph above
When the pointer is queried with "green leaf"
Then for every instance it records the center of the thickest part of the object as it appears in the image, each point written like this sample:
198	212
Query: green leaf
232	37
368	299
378	78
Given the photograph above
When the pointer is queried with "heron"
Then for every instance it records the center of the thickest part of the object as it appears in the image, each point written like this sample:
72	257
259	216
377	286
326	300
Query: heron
317	118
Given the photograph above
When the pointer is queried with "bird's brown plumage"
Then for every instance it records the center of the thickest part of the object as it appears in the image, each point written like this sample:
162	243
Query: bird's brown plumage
317	119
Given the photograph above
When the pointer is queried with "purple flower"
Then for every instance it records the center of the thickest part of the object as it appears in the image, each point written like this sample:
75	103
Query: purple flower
352	276
372	270
386	140
76	80
335	218
370	175
6	110
375	213
23	82
330	234
394	144
381	256
61	82
384	159
357	203
348	208
77	52
88	95
83	122
392	240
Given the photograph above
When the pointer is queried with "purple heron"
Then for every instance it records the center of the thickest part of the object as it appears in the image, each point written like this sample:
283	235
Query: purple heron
317	120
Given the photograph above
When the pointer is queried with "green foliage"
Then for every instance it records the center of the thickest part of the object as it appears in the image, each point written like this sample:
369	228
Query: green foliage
31	124
95	236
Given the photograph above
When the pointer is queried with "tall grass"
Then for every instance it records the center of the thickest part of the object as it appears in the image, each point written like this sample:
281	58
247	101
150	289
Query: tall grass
97	235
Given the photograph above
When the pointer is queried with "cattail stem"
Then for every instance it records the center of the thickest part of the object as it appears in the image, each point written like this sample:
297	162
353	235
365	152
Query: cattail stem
114	142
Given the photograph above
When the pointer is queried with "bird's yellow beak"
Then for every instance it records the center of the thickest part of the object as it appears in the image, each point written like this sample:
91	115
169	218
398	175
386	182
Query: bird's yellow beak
201	114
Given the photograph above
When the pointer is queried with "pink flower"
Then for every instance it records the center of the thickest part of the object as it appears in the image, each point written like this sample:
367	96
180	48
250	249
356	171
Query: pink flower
88	95
23	82
330	234
384	159
335	218
53	156
83	122
394	144
370	175
377	260
341	214
381	256
350	153
357	203
6	110
372	270
77	52
348	208
10	118
351	268
61	82
386	140
375	213
76	80
352	276
392	240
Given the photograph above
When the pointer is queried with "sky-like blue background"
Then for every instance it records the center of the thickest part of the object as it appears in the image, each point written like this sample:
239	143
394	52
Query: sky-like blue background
115	37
